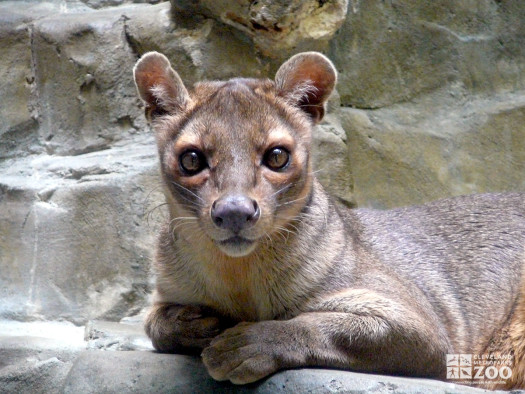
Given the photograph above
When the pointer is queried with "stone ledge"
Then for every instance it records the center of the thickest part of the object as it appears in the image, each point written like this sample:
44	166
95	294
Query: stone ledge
117	372
52	357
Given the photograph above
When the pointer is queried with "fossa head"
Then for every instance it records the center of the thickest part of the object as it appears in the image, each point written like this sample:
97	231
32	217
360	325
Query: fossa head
235	155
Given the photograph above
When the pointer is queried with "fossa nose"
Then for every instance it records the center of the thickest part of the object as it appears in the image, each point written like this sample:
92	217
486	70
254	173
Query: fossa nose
235	212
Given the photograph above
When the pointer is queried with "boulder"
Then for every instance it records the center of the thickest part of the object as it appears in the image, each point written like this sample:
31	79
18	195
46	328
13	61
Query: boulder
413	153
52	358
331	161
113	3
36	357
391	52
75	239
138	372
201	49
86	99
18	126
277	28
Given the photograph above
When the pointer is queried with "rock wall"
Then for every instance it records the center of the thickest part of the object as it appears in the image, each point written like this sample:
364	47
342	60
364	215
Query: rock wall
430	103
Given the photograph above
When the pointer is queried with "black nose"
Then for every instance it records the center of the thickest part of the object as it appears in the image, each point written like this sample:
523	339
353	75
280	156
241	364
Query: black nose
235	212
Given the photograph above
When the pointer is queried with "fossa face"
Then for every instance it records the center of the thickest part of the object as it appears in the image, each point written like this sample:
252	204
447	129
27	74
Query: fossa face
235	155
237	163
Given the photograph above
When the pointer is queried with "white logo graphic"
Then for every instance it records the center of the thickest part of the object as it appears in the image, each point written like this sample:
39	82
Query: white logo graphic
480	368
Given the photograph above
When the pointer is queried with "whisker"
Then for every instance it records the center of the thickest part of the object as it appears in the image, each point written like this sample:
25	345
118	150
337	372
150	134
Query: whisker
269	238
281	190
296	221
189	203
186	222
319	170
159	186
295	228
279	232
150	212
182	220
145	211
311	105
306	215
313	216
291	202
266	239
189	207
287	233
187	190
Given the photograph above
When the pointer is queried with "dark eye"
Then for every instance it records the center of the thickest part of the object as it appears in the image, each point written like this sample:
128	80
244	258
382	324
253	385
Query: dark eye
192	162
276	158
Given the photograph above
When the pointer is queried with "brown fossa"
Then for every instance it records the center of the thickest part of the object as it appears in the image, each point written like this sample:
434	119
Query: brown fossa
259	269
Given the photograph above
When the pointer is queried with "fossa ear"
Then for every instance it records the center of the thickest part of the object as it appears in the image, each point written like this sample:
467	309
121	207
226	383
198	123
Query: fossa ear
159	85
306	80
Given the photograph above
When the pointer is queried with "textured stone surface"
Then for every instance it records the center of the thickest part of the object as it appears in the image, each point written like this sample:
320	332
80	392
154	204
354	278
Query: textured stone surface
116	336
201	49
277	28
36	357
331	161
52	358
75	241
151	372
113	3
86	98
412	153
18	126
389	52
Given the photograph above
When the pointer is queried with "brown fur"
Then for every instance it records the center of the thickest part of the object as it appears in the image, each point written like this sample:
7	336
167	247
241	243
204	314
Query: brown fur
510	339
307	282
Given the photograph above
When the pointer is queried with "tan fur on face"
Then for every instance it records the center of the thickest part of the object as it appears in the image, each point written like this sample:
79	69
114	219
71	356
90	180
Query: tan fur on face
201	129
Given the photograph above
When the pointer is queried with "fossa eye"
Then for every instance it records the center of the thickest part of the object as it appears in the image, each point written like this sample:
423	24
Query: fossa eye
192	162
276	159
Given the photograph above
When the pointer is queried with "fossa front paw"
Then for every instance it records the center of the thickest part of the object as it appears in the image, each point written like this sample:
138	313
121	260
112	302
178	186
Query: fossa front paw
182	328
244	354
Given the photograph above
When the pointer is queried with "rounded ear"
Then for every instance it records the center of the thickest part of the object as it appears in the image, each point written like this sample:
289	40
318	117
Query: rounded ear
159	85
306	80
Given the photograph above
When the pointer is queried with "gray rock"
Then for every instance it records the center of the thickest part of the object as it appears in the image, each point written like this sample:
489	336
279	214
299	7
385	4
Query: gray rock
277	28
112	3
116	336
390	52
417	152
36	357
18	128
34	376
202	49
86	99
51	358
137	372
331	161
76	241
